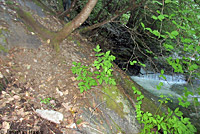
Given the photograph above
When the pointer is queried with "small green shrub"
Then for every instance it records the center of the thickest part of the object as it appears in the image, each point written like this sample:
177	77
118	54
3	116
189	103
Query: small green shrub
9	2
103	71
46	101
173	122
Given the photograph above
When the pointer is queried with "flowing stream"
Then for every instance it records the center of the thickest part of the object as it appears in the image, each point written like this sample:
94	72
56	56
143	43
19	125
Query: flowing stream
174	84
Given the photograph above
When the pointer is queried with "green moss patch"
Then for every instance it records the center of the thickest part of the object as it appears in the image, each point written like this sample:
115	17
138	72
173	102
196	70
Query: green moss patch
115	100
147	103
2	48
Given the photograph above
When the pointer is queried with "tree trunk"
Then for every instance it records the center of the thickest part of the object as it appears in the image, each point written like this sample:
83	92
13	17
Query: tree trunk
75	23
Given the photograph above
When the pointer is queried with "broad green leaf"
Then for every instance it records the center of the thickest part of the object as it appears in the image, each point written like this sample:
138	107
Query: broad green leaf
167	1
176	110
142	25
171	16
82	88
193	67
169	35
191	47
154	17
177	60
158	12
198	48
168	47
139	93
100	81
81	83
107	53
162	71
158	87
159	3
99	54
186	40
161	17
156	33
149	29
133	62
174	33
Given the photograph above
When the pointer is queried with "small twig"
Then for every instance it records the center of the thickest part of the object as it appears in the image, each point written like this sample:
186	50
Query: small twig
94	129
91	114
161	25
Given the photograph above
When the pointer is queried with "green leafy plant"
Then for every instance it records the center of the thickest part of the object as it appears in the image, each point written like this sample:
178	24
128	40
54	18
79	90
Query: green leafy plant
134	62
9	2
84	75
104	62
124	18
172	122
46	101
103	71
179	35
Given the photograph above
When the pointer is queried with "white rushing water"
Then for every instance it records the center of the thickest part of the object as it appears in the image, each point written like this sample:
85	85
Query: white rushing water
173	79
150	81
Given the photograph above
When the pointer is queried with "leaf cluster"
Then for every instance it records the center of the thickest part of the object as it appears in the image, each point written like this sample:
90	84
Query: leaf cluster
103	71
171	122
46	101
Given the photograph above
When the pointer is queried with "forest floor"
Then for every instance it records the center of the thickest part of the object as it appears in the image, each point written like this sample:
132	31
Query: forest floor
40	78
30	75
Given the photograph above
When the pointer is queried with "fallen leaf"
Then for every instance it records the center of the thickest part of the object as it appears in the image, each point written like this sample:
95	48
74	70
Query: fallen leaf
5	126
82	124
67	106
48	41
73	78
73	125
59	92
1	75
27	94
10	99
16	97
21	112
7	71
41	86
49	78
3	92
66	92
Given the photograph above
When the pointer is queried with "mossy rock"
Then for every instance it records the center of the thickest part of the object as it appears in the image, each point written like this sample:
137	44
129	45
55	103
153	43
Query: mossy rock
149	103
115	100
